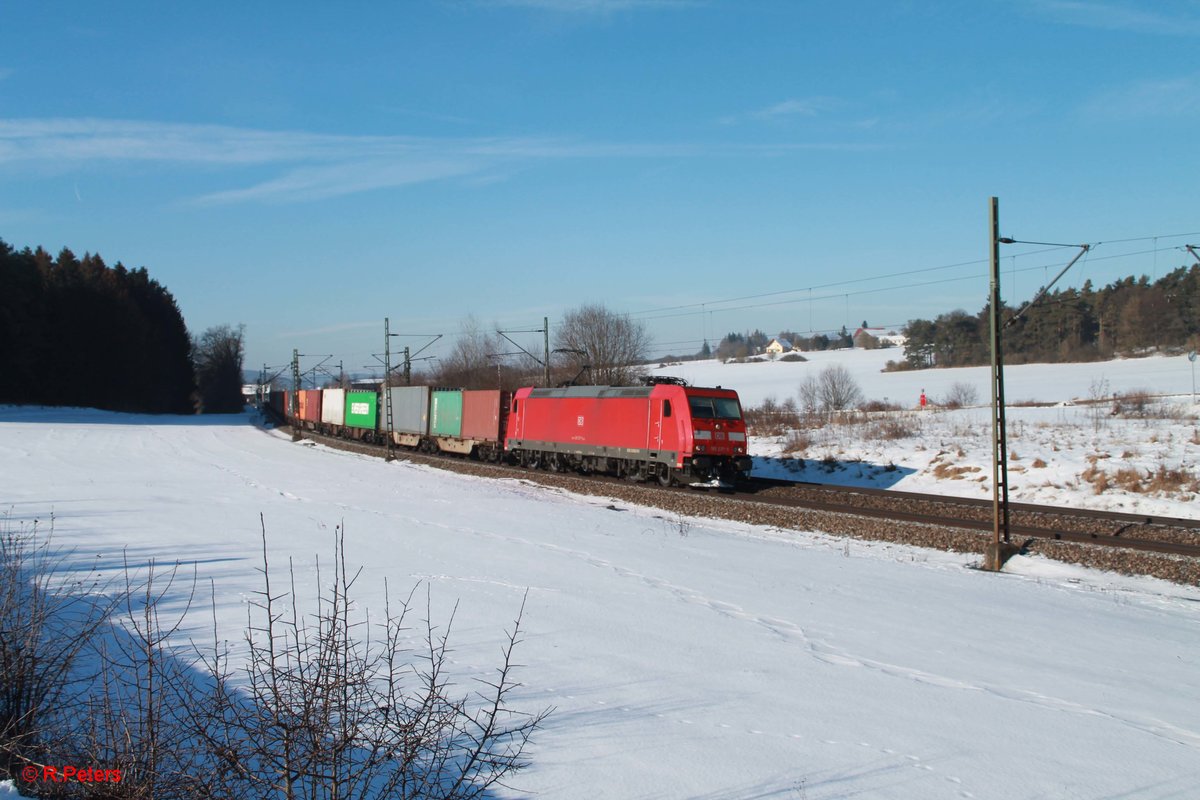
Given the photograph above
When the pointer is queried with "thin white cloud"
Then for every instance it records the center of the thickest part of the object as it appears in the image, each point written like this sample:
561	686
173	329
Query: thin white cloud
316	183
807	107
1143	100
313	166
810	107
340	327
1121	17
32	140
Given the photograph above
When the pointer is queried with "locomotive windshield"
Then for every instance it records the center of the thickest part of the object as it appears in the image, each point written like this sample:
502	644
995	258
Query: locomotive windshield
714	407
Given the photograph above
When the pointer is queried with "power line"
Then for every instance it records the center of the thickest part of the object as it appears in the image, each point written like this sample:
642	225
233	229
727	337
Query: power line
723	305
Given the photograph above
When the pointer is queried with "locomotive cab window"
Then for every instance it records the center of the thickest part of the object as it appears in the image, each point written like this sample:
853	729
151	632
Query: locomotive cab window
666	408
714	408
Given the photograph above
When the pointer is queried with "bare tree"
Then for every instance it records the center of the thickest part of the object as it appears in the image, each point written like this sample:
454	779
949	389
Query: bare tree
833	390
218	355
611	344
471	363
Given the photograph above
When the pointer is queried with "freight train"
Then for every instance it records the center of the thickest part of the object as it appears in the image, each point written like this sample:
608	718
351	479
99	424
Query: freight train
665	431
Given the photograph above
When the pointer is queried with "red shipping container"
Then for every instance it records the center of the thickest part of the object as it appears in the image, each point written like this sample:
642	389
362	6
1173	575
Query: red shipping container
481	414
310	405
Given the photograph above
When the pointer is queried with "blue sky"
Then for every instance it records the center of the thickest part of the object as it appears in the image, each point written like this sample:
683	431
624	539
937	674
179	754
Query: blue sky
702	165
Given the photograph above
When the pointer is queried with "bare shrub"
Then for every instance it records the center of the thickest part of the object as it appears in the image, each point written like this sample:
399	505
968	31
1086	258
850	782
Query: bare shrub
797	441
834	390
893	427
772	418
1137	403
1097	393
133	716
960	395
323	709
46	624
878	406
793	358
330	711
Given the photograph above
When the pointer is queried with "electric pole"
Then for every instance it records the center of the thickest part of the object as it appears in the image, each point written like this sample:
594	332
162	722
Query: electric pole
294	400
1002	548
385	390
996	555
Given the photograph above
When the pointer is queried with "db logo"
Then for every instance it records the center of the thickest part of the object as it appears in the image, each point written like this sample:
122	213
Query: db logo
579	421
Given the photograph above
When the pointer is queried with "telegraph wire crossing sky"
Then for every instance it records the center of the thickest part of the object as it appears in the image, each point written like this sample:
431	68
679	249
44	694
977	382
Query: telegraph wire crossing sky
705	166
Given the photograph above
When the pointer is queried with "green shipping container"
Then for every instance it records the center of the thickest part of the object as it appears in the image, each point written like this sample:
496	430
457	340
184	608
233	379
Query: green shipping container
445	413
361	409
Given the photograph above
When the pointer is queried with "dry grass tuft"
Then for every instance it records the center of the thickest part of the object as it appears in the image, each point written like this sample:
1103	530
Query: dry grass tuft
893	427
1163	480
952	472
796	442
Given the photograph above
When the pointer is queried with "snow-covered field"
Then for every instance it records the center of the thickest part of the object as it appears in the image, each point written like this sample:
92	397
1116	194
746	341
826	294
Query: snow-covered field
686	658
1050	446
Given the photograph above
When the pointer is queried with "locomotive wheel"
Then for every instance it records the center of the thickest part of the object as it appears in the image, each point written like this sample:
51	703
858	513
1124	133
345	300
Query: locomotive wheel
666	476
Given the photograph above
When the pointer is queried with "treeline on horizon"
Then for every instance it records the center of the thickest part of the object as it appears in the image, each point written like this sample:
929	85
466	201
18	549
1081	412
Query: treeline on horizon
1127	317
76	332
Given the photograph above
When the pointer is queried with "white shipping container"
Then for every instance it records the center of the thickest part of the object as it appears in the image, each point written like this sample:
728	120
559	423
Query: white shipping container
333	406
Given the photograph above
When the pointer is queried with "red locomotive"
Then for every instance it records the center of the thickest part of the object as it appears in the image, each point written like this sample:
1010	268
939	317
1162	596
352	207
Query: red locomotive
666	431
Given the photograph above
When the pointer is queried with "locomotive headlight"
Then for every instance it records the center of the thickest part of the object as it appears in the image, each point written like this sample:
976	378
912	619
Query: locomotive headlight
699	448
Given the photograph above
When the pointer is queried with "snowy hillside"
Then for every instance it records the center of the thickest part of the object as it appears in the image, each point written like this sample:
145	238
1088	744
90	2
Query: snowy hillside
1066	450
686	658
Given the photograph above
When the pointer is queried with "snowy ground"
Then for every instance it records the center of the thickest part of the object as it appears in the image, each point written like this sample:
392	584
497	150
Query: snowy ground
1051	446
686	658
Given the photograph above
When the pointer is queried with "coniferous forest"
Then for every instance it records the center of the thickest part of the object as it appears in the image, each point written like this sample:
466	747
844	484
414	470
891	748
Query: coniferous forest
1128	317
74	331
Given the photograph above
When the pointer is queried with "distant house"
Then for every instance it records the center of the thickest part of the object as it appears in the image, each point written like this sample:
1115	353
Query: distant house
778	346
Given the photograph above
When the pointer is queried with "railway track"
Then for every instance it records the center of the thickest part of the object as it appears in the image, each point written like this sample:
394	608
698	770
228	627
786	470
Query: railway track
1141	532
1168	548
